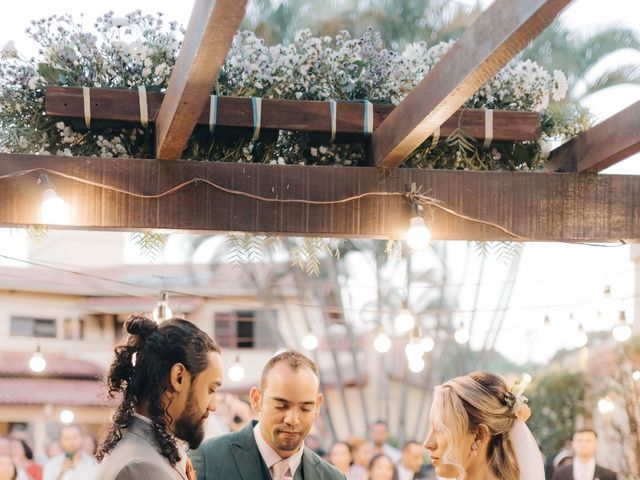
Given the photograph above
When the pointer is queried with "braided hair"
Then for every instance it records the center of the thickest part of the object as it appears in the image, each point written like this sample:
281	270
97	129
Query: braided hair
140	372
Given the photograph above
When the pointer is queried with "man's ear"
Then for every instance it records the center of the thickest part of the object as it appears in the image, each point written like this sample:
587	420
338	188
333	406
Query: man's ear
179	377
256	399
483	434
319	401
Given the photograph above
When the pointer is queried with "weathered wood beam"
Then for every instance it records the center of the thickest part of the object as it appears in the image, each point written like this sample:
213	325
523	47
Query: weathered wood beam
120	105
535	206
211	28
499	33
603	145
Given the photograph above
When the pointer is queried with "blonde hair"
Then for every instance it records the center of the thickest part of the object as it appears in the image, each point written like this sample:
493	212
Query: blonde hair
461	405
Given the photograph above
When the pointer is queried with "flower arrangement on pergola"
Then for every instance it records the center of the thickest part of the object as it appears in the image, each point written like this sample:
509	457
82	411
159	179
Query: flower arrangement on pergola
306	139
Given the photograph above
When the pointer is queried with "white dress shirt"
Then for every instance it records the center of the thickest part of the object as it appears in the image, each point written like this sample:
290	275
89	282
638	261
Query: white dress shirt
584	471
85	469
271	457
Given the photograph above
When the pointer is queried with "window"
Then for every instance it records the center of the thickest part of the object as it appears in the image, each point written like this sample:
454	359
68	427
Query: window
247	329
33	327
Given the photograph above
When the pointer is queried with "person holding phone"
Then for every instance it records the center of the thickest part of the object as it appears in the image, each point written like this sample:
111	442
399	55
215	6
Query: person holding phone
73	463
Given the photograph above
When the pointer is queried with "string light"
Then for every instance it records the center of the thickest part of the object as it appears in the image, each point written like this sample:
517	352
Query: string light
67	416
606	406
236	371
53	209
405	320
413	350
622	331
416	365
427	343
310	341
461	335
162	311
547	321
382	342
636	375
418	236
581	337
414	196
37	363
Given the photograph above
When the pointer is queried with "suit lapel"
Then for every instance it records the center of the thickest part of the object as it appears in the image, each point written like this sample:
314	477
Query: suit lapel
246	454
309	470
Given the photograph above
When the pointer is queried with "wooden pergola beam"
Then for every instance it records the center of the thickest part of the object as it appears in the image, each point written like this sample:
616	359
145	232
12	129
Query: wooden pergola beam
212	25
121	105
603	145
499	33
536	206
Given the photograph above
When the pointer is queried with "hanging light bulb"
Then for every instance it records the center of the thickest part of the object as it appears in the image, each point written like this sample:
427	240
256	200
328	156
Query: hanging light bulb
413	350
547	321
427	343
636	375
382	342
418	236
67	416
606	406
607	291
581	338
461	335
622	331
405	320
236	371
416	365
310	341
37	363
162	311
53	209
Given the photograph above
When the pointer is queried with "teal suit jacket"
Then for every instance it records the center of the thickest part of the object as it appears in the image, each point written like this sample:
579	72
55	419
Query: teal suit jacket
235	456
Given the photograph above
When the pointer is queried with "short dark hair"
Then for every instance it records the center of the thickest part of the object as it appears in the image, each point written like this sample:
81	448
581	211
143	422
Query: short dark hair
586	430
28	452
140	371
408	443
69	426
380	422
293	359
380	456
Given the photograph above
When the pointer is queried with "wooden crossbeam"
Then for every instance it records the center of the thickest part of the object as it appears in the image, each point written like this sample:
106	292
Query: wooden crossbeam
211	28
120	105
498	34
535	206
601	146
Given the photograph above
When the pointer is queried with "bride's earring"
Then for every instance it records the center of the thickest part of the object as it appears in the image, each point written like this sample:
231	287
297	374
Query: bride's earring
474	448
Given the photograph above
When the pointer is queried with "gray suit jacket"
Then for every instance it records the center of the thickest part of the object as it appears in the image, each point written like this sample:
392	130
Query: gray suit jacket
136	457
235	456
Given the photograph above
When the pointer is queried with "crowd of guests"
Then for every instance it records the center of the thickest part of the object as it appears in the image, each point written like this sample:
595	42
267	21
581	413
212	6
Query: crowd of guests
71	457
359	459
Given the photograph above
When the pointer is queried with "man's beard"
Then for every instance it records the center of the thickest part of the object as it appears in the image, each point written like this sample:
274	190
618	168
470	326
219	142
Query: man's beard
189	427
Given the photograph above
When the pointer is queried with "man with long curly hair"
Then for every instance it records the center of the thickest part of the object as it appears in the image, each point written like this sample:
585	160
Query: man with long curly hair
167	375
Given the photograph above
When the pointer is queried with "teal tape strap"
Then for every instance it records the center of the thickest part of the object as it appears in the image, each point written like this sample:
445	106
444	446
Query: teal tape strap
333	110
213	113
256	103
367	128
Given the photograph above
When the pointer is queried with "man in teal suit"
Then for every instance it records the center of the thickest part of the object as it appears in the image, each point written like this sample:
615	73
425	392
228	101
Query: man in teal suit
287	402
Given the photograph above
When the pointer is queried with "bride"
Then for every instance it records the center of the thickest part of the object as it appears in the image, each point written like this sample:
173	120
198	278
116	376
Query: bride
478	431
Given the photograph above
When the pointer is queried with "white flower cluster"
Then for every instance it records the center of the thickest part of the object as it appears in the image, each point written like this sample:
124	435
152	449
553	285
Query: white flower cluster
141	50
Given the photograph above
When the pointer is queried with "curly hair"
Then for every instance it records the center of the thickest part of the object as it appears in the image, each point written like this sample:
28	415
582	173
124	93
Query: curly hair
140	372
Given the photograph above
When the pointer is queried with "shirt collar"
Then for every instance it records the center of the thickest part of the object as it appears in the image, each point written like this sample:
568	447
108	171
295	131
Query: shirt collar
588	467
271	457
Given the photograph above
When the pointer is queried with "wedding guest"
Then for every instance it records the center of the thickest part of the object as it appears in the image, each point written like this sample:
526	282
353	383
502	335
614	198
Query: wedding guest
380	439
73	463
340	457
583	467
382	468
23	458
8	470
412	460
362	452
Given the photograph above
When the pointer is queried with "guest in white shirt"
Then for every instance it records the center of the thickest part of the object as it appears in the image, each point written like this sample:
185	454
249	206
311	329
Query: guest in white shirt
73	464
411	461
584	467
380	439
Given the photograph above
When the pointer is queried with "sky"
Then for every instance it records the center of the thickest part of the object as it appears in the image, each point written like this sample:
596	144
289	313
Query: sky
562	281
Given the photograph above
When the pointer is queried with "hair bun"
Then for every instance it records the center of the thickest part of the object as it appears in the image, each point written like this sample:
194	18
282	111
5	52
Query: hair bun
140	325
